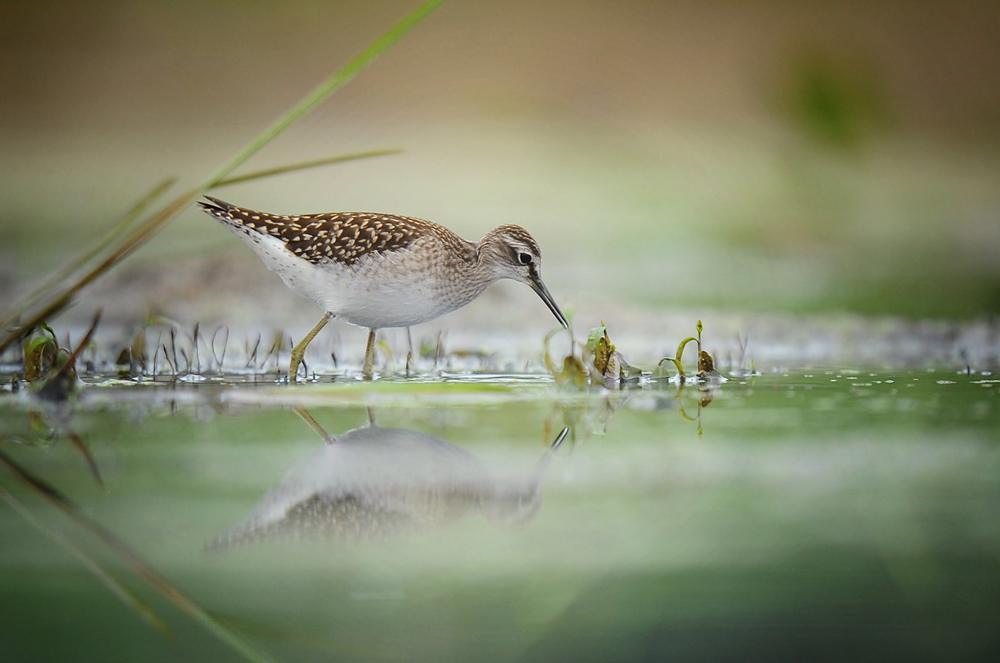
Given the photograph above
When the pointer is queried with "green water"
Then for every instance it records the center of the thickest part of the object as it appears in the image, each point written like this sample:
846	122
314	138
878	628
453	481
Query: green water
816	514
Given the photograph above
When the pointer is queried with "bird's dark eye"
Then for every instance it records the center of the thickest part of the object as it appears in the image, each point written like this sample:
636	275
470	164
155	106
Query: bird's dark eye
524	258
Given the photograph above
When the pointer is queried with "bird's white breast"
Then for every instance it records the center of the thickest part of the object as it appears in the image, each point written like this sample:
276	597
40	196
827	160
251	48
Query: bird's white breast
397	288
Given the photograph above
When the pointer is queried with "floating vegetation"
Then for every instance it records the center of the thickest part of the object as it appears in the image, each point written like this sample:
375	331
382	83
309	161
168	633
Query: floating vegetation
597	362
41	353
608	363
50	369
161	350
601	363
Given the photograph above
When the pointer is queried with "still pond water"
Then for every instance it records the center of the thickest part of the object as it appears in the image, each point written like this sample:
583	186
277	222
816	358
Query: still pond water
810	514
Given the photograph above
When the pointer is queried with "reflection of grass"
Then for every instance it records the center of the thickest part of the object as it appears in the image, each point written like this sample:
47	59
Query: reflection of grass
139	565
122	593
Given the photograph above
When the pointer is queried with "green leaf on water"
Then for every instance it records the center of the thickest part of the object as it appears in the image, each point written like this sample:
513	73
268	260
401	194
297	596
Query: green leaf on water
601	348
39	356
594	336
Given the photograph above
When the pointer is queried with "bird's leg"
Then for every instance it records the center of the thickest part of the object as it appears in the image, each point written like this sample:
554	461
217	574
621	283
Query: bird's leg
306	417
409	352
300	348
366	369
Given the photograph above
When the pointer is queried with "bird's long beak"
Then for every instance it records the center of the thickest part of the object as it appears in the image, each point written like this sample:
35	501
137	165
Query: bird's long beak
543	292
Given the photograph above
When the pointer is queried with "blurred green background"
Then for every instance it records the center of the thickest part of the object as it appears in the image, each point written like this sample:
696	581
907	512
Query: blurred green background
743	156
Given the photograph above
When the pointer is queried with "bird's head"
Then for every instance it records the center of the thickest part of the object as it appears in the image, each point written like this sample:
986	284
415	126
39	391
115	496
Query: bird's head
511	253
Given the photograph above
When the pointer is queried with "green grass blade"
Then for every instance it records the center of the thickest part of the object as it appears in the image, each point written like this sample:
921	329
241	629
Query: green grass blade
327	87
302	165
63	298
153	224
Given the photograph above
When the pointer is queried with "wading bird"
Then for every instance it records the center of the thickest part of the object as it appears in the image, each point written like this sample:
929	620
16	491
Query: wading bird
382	270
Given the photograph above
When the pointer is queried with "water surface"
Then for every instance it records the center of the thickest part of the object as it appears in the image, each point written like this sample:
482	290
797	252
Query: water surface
813	513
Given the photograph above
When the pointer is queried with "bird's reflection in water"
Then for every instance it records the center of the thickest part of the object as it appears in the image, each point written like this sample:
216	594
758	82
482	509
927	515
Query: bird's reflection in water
375	482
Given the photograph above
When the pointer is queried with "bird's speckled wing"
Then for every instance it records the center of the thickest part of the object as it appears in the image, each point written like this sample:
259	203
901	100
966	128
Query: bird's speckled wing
341	237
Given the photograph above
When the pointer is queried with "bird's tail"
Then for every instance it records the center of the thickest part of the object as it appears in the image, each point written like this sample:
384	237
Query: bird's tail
215	207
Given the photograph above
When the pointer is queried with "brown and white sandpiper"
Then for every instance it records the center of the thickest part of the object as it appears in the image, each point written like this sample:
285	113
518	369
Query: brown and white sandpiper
382	270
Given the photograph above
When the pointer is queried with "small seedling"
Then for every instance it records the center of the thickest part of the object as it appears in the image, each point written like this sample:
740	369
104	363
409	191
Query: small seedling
50	369
706	364
600	363
41	353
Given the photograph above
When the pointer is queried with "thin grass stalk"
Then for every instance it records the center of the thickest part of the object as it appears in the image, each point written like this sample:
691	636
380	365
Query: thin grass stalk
302	165
166	358
173	348
196	351
252	354
159	219
156	353
67	270
220	359
328	87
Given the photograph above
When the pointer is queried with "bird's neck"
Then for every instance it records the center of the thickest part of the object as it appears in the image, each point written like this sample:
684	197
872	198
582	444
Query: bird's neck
480	273
469	276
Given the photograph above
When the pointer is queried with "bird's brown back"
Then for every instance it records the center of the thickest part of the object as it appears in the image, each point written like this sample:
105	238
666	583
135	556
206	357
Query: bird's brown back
342	237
